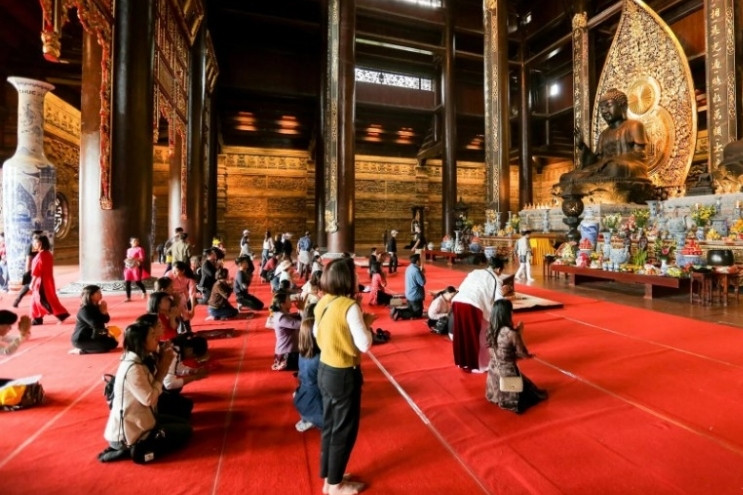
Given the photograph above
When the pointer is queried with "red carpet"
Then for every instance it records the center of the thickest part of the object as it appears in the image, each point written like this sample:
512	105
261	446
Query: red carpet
639	402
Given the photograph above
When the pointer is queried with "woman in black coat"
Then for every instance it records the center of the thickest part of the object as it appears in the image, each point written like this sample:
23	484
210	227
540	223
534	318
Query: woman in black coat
91	335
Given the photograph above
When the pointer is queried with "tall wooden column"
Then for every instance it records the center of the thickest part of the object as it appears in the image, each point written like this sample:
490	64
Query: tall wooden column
339	131
320	157
199	234
526	187
449	168
497	125
721	92
104	234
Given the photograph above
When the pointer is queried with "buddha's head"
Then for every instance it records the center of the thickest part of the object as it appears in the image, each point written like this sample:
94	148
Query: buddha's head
613	105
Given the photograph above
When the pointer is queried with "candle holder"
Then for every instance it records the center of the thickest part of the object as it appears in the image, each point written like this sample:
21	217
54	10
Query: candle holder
718	205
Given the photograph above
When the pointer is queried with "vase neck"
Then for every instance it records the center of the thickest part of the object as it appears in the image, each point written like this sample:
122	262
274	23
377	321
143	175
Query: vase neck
31	95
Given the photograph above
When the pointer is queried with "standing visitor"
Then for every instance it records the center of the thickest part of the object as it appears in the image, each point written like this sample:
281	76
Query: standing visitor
471	308
342	333
267	249
245	243
42	284
304	258
26	280
523	251
133	268
392	250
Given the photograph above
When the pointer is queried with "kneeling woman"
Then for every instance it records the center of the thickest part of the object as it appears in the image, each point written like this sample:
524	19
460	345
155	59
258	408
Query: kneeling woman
91	335
506	346
133	418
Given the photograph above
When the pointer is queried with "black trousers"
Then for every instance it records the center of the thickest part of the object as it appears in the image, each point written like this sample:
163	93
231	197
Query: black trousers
392	267
414	309
96	346
341	399
128	287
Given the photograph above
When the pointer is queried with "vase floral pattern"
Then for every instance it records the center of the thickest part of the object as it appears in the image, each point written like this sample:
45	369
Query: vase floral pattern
29	179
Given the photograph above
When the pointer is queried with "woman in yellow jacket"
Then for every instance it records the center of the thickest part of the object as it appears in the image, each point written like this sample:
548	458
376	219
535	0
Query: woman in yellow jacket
342	333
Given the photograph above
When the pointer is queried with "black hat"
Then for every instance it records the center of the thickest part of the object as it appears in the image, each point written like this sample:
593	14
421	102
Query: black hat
7	317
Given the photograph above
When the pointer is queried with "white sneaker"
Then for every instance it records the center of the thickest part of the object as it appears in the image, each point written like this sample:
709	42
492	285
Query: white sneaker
530	279
303	425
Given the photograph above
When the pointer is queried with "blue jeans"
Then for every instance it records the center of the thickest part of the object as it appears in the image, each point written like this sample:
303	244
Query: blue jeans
226	311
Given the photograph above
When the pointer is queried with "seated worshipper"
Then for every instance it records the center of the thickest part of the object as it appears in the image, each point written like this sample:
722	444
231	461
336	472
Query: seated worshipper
161	303
285	271
414	291
470	310
372	259
243	277
91	335
438	312
269	267
8	345
317	263
307	397
286	326
134	427
208	277
171	402
378	296
219	300
506	347
310	291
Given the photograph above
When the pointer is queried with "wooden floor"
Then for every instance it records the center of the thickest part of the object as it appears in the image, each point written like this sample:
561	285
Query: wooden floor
632	295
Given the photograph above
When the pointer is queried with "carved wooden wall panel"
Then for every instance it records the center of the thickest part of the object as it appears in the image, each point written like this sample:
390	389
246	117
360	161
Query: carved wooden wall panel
263	190
62	148
160	178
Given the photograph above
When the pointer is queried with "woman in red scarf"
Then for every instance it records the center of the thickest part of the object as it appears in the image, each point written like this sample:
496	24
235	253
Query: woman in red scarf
42	284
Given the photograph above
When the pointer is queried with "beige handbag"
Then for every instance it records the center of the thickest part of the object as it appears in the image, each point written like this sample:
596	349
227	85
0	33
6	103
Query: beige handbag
511	384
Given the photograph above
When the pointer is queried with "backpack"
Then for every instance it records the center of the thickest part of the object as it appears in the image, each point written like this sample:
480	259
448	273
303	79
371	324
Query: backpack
21	394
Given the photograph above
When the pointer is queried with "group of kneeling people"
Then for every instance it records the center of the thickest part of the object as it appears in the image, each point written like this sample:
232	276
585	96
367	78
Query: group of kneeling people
149	417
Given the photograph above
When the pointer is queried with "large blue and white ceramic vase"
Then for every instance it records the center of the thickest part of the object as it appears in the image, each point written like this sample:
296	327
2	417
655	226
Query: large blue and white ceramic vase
29	179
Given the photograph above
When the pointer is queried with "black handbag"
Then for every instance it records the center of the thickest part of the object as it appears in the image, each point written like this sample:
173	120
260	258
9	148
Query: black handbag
148	449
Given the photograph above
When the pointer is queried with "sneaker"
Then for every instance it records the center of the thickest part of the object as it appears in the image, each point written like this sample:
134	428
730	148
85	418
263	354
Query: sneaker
303	425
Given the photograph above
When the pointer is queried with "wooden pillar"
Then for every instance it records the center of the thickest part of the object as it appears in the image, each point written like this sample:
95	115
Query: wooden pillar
581	81
320	157
104	234
449	168
339	131
526	187
199	233
721	92
497	125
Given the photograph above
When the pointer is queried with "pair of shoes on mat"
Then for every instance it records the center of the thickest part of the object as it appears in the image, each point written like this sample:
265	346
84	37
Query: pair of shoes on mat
303	425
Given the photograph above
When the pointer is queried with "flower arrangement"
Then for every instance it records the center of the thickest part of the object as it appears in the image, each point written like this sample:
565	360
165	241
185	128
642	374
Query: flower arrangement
702	214
737	227
641	217
515	221
477	230
665	252
611	221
